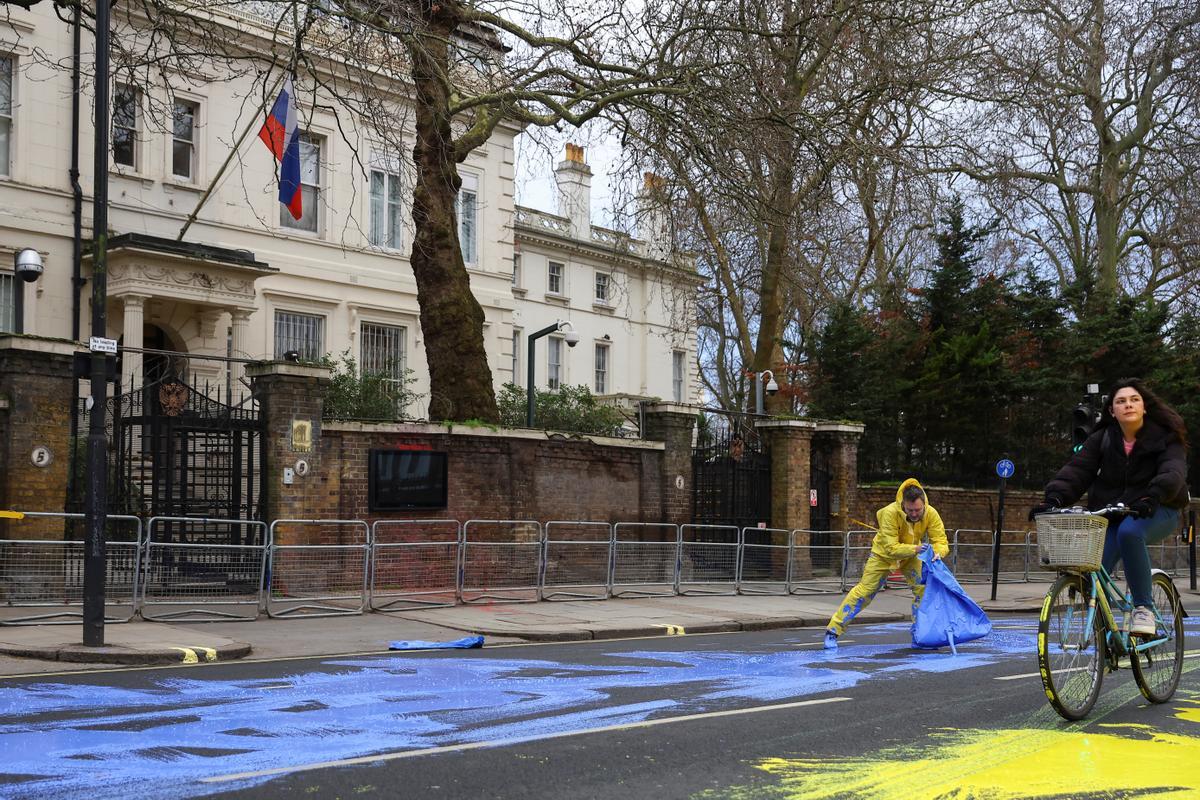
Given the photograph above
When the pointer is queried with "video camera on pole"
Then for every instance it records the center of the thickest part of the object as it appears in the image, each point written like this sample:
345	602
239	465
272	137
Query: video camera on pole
1085	417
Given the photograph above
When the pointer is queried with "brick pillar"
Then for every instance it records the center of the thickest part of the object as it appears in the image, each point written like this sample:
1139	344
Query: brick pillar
843	474
291	398
37	394
673	424
790	442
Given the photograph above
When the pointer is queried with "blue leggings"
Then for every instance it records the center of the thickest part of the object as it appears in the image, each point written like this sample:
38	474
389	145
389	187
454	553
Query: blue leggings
1126	541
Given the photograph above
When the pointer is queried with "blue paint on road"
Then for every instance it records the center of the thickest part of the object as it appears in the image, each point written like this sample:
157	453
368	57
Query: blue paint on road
94	741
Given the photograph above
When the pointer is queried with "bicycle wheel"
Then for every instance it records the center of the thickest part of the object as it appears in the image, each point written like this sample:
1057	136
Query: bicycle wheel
1157	670
1070	652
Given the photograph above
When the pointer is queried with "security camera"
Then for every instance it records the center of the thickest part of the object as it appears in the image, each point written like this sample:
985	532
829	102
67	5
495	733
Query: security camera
28	265
772	387
571	338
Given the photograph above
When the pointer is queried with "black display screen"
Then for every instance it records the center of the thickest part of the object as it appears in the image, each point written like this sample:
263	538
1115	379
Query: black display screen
401	479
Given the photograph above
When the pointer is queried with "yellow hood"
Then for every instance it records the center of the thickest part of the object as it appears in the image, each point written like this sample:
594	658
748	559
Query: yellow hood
905	485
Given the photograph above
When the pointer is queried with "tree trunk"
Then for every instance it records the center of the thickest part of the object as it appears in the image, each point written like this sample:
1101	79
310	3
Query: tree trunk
460	381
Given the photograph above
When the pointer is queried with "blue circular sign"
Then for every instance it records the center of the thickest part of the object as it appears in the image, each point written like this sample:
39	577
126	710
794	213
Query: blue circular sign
1005	468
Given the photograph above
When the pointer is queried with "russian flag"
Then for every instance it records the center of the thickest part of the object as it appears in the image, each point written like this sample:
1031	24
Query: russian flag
281	135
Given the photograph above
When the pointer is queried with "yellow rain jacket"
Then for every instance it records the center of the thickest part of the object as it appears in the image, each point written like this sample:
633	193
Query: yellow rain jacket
898	539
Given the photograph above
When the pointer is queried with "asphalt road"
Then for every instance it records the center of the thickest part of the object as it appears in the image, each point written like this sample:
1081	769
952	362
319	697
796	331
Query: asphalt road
748	715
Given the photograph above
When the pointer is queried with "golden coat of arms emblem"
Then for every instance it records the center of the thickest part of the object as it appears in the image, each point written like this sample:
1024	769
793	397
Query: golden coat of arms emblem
172	397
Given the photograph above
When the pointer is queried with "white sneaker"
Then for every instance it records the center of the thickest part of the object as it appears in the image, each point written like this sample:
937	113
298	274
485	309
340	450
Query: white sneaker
1142	622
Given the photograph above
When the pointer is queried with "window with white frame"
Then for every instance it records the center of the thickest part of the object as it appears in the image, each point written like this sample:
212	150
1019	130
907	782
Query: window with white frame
554	362
603	287
381	350
468	218
555	272
7	284
303	333
678	374
516	356
386	207
183	139
6	114
601	368
126	119
310	187
516	278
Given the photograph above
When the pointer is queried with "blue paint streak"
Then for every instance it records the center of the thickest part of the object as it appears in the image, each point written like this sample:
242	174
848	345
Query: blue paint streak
183	729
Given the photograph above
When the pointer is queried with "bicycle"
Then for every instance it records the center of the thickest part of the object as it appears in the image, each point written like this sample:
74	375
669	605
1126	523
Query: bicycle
1078	636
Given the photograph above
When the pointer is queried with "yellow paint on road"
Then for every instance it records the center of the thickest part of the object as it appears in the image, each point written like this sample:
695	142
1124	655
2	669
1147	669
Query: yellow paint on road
673	630
210	654
189	655
1000	765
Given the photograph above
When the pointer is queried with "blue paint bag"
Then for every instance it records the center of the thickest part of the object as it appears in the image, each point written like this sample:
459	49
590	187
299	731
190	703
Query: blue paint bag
465	643
947	615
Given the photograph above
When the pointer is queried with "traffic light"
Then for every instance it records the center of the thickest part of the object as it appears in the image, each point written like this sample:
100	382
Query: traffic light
1083	422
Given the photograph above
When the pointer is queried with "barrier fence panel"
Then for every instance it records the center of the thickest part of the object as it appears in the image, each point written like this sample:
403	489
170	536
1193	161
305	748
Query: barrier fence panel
414	563
817	562
576	561
708	559
971	556
199	569
763	565
645	559
41	567
854	559
318	580
1170	555
501	560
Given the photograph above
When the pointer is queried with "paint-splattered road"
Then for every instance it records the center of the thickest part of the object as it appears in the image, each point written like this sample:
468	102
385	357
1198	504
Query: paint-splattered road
767	715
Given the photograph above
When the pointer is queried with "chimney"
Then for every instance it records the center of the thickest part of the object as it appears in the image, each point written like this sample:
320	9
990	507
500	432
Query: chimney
654	223
574	179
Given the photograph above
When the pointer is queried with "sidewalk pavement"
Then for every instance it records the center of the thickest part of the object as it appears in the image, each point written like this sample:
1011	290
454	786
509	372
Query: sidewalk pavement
28	649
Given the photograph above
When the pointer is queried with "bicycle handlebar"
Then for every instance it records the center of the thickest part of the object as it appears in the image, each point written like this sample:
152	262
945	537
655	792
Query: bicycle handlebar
1119	508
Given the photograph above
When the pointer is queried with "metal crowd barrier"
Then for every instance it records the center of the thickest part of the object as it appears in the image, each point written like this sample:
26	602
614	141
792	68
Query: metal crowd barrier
764	561
576	561
318	580
645	568
971	556
415	563
708	559
858	550
818	562
194	580
47	574
501	560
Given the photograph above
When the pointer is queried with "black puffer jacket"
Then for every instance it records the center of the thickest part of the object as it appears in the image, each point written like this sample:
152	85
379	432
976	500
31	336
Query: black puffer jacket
1155	468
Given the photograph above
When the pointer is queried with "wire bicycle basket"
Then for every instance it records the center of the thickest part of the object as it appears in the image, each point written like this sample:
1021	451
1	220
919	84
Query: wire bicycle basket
1071	541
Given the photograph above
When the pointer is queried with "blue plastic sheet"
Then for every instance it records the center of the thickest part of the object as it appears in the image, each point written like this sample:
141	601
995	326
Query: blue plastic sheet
947	615
465	643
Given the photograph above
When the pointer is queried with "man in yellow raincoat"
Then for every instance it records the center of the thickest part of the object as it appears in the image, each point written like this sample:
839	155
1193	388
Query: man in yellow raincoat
902	526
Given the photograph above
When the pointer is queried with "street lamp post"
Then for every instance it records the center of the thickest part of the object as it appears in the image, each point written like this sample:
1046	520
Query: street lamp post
772	388
571	338
96	496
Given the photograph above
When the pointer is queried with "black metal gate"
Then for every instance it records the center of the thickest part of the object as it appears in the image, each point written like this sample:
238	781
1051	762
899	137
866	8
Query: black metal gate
178	449
820	512
731	471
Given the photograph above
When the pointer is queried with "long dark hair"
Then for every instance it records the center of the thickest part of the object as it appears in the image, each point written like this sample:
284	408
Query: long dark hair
1156	409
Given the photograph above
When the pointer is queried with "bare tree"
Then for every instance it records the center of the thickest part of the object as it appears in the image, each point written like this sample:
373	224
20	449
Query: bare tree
788	152
1082	124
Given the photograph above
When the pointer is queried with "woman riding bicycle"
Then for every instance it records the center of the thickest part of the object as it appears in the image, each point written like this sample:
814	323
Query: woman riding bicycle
1137	456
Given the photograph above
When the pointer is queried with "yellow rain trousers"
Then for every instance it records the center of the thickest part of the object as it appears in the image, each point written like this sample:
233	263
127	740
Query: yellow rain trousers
894	547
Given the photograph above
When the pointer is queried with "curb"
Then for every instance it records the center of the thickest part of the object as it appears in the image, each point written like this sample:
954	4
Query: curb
130	656
650	631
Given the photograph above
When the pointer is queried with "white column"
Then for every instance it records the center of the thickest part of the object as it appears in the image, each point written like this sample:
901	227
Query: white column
240	327
135	320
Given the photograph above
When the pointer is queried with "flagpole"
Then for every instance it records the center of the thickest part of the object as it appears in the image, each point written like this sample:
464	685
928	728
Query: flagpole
234	151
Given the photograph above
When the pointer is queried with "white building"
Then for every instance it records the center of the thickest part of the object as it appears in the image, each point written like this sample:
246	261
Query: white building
246	280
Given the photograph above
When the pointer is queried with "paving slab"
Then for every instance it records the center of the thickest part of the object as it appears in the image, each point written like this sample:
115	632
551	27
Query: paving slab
126	643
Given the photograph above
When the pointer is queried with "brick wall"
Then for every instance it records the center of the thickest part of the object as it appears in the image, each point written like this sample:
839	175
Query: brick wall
36	393
514	475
